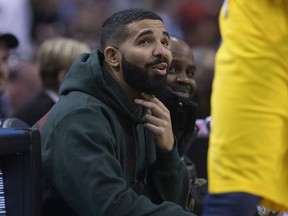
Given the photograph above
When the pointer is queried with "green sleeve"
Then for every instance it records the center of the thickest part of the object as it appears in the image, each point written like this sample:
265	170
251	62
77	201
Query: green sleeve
78	160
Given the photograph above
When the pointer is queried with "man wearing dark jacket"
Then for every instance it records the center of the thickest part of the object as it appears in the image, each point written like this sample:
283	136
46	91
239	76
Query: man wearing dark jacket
107	145
177	97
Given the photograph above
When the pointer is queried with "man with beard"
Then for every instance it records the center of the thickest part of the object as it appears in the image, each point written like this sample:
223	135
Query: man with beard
107	144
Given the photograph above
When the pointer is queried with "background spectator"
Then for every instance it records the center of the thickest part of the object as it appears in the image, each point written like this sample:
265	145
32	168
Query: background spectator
55	57
194	21
7	42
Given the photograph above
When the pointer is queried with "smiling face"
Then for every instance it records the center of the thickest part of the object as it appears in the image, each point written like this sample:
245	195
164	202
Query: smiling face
145	56
182	69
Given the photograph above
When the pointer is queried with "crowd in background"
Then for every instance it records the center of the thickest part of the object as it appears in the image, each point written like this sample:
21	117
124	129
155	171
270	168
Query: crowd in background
34	21
194	20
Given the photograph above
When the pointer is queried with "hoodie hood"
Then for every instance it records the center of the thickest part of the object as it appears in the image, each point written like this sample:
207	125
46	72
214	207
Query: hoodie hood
89	76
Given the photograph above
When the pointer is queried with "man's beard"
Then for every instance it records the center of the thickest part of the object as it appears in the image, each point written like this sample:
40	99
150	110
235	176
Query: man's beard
140	79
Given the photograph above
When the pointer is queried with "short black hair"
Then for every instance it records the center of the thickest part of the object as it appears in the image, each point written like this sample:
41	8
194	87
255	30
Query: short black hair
114	29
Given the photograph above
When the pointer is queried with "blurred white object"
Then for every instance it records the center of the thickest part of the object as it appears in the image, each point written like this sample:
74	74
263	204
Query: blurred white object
202	126
16	18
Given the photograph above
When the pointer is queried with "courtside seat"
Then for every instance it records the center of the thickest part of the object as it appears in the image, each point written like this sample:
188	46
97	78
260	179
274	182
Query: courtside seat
20	167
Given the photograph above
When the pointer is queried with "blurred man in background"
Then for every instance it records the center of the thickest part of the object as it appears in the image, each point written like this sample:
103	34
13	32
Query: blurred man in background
7	42
55	57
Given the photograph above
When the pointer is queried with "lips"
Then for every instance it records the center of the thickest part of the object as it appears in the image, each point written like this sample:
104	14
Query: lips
160	69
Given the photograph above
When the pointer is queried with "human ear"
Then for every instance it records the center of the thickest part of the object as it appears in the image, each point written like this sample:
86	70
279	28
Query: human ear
112	56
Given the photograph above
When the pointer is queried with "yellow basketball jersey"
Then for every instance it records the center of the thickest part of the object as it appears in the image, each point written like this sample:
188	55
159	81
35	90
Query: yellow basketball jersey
248	148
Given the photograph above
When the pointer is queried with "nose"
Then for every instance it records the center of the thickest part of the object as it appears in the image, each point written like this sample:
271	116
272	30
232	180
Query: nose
183	79
161	51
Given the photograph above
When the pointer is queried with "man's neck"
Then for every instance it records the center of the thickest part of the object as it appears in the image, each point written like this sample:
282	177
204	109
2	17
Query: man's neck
130	92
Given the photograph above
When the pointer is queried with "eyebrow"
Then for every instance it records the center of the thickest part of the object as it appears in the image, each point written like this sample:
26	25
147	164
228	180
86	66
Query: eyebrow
166	33
151	32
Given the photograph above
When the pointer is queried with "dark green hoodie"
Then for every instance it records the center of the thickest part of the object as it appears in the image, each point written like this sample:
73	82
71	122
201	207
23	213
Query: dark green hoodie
98	159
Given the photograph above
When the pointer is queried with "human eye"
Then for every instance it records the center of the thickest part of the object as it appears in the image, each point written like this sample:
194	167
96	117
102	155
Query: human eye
190	73
172	69
165	42
144	41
